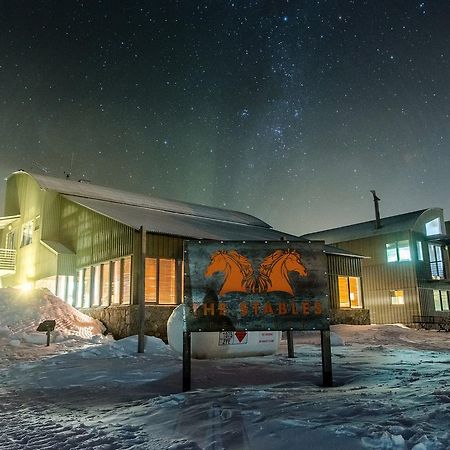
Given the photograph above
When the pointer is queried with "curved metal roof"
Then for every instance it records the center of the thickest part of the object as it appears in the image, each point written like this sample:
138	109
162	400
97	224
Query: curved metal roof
400	222
90	191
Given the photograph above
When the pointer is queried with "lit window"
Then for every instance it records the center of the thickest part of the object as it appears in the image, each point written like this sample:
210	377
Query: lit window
419	251
441	302
433	227
397	297
126	281
11	239
115	288
167	281
27	233
87	288
105	285
160	283
97	277
398	251
150	279
436	262
349	292
404	253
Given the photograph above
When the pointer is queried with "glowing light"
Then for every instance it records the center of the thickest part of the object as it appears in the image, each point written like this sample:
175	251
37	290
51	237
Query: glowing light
26	287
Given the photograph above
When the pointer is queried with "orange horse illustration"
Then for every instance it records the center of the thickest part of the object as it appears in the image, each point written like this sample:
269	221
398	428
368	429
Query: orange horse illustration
238	271
272	274
274	270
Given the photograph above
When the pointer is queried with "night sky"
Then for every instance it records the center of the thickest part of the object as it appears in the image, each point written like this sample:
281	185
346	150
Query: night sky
288	110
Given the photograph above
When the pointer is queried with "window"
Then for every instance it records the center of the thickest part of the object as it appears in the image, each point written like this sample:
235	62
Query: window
419	251
79	288
126	281
27	233
11	240
150	280
104	300
167	281
160	280
397	297
398	251
441	302
97	285
87	288
115	288
433	227
436	261
349	292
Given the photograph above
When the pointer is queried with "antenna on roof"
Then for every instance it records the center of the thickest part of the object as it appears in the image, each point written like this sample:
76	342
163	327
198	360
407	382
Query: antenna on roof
376	200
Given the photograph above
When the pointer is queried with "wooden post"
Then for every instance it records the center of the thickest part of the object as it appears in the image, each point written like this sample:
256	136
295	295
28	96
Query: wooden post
141	292
48	338
186	361
290	343
326	358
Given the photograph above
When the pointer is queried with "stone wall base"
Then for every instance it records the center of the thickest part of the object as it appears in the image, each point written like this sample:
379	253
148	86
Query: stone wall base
350	316
123	321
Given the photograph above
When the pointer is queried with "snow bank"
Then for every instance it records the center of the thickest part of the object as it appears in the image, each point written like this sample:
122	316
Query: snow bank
22	312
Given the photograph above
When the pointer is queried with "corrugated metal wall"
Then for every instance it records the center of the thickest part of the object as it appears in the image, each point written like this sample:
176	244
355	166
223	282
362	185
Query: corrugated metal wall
380	277
93	237
341	266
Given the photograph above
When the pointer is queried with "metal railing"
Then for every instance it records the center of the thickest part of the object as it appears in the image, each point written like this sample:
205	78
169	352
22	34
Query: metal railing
7	260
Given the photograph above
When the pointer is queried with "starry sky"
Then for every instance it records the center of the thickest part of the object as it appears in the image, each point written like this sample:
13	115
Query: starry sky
291	111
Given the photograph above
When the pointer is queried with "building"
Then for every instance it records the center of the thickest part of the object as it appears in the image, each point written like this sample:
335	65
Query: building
407	272
84	243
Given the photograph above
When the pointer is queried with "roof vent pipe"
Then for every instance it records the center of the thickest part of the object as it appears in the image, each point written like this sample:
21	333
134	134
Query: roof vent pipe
376	200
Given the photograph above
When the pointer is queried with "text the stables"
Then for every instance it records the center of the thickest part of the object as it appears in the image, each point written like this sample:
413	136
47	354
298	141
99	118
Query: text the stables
256	308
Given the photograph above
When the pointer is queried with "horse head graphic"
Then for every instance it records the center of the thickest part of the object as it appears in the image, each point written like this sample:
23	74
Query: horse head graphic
272	274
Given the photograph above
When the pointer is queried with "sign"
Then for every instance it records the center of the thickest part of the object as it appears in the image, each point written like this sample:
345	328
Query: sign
256	286
233	338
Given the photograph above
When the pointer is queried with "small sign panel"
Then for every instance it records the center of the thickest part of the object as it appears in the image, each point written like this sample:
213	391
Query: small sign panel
233	338
256	286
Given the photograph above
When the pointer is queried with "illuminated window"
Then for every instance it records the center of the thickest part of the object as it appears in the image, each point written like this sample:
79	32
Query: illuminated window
436	261
115	288
104	300
419	251
150	279
398	251
11	240
80	289
441	302
87	288
27	233
126	281
397	297
349	292
433	227
97	280
167	292
160	280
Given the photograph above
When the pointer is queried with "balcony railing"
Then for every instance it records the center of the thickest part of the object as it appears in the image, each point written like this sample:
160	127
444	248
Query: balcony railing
7	261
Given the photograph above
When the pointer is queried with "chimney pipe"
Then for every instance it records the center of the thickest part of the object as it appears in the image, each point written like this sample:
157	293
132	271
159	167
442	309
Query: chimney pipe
376	200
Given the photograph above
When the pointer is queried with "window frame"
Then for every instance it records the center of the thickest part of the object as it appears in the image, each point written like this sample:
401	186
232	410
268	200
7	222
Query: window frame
347	279
390	246
27	233
397	300
438	297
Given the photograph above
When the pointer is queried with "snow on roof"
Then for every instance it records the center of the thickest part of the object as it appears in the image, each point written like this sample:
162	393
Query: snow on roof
178	224
401	222
91	191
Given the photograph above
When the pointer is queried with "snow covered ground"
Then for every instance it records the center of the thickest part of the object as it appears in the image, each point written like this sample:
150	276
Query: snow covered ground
87	391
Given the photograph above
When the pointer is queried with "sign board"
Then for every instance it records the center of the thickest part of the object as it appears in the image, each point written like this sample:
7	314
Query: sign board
256	286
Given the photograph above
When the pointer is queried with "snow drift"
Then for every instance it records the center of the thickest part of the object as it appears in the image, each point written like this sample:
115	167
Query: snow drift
21	313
